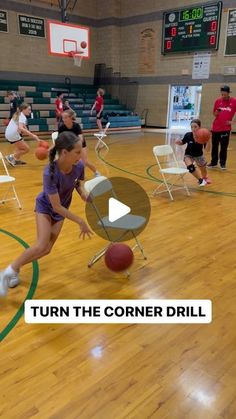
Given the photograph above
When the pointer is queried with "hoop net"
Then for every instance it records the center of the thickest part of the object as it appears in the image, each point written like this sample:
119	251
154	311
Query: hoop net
77	56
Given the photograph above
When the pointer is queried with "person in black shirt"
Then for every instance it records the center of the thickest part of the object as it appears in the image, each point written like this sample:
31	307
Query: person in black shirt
69	124
193	157
13	103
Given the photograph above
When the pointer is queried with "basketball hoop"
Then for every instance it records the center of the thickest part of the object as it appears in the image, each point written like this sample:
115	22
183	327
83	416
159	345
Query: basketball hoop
77	56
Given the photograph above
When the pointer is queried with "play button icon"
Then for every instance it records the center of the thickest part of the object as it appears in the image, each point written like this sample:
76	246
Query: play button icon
117	210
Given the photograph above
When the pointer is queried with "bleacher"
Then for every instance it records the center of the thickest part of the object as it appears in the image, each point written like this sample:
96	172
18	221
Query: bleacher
42	95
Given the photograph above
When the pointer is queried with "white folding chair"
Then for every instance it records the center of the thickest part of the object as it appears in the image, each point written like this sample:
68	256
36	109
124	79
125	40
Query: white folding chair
54	136
100	136
128	224
169	172
7	179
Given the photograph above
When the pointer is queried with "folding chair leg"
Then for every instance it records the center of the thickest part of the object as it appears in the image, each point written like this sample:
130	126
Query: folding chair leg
167	188
16	196
155	190
187	190
139	246
103	143
185	186
97	256
4	198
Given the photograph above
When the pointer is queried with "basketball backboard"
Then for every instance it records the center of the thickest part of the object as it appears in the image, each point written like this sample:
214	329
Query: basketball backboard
64	38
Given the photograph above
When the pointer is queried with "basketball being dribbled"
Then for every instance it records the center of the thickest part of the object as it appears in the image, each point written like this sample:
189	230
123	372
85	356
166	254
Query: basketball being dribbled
41	153
203	135
119	257
43	144
83	44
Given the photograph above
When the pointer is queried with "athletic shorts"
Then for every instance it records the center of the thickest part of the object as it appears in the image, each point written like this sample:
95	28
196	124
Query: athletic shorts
200	160
42	208
99	117
16	141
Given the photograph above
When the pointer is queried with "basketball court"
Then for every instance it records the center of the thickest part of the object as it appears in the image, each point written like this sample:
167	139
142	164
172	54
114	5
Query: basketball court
183	242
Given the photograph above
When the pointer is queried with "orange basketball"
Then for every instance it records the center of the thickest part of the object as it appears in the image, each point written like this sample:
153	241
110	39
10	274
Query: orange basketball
6	122
119	257
203	135
41	153
83	44
43	144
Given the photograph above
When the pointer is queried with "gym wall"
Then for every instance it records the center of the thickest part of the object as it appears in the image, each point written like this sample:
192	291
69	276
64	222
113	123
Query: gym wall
154	88
29	55
116	27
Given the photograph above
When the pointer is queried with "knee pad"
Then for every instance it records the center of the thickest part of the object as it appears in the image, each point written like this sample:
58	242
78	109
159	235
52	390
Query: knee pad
191	168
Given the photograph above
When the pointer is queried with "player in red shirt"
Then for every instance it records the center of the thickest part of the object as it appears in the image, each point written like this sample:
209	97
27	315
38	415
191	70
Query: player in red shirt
224	111
59	106
99	105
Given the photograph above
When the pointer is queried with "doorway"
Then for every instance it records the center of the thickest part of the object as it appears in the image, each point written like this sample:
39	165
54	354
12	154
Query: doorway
184	105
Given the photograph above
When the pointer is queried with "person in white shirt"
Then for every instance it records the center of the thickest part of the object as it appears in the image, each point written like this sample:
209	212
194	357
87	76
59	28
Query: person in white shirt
16	127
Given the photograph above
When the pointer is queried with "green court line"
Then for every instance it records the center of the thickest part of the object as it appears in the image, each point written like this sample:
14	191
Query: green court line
123	170
155	179
229	194
30	294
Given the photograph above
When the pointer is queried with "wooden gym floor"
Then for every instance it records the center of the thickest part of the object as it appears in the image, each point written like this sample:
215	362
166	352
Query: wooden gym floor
125	371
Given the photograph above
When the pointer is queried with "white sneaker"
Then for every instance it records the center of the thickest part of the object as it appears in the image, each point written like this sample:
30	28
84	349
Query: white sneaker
10	159
3	285
13	280
11	277
204	183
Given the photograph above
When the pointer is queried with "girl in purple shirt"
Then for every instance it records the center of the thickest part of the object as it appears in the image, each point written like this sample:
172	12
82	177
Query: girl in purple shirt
60	178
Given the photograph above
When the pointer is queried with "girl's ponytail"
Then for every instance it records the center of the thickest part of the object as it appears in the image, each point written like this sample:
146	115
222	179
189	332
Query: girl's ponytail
52	155
19	110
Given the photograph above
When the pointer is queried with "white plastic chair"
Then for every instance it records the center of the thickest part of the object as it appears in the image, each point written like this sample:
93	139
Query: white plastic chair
168	173
7	179
54	136
128	224
100	137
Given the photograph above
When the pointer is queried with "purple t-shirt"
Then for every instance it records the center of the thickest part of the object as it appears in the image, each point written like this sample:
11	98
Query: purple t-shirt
63	184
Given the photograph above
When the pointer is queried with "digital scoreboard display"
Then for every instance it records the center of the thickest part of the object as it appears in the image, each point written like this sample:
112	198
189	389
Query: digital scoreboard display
192	29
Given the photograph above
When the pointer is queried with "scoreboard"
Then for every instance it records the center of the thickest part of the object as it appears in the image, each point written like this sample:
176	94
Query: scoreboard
192	29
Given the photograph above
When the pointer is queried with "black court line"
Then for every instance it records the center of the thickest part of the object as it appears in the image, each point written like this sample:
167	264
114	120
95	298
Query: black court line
157	180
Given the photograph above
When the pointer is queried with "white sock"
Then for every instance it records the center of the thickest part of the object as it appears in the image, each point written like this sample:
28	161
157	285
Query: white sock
10	271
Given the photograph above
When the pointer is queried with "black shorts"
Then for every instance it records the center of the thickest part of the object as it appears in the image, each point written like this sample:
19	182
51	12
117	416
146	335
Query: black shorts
14	142
99	117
